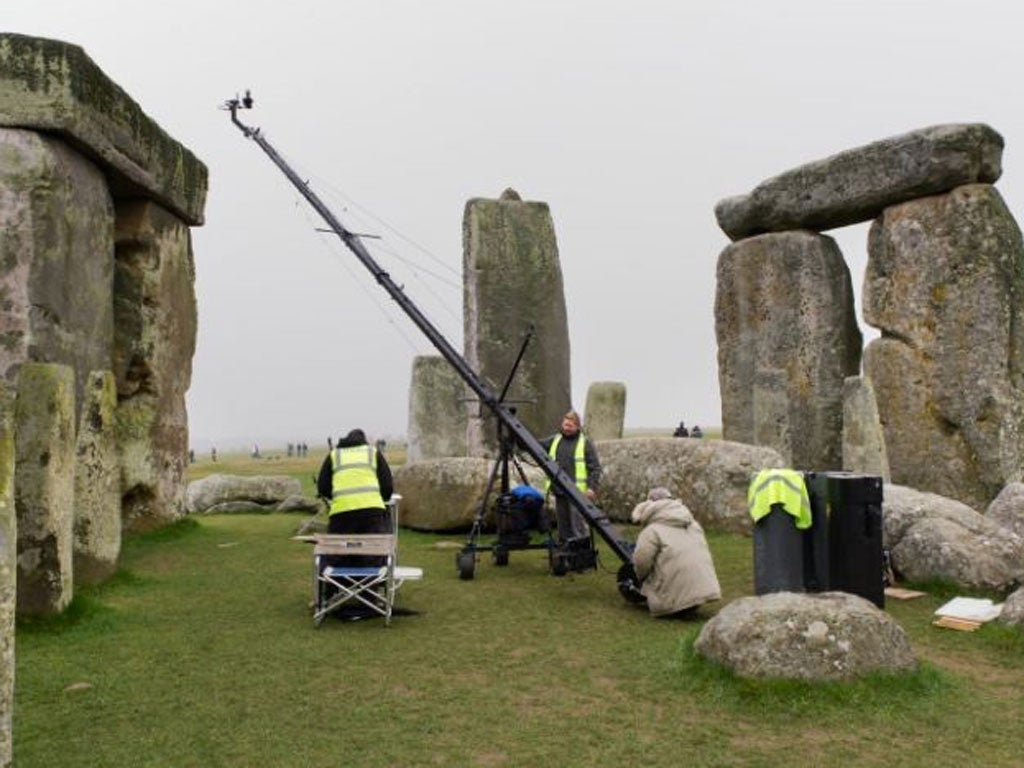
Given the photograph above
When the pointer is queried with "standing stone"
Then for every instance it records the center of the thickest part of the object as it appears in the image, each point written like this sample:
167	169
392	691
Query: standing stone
8	572
858	184
512	282
97	529
44	486
437	410
787	337
155	313
56	258
863	442
944	285
773	424
606	410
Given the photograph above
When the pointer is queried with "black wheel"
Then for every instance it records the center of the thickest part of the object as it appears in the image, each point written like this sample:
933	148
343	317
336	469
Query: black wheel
629	585
500	556
466	563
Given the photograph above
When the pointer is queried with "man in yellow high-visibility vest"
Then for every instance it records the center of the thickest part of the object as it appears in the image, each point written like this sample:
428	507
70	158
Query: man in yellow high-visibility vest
576	456
356	479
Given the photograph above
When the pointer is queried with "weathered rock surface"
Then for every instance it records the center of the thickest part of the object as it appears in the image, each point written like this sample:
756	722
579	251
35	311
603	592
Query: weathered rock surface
44	486
863	440
512	282
56	258
8	571
826	636
605	411
1013	609
710	477
238	507
931	537
303	504
254	491
446	494
438	400
1007	509
56	88
97	528
155	338
945	286
787	338
856	185
80	156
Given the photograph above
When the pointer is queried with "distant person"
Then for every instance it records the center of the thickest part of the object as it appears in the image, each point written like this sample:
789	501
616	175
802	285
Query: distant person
290	450
696	432
671	559
255	451
191	456
681	430
577	457
213	453
357	481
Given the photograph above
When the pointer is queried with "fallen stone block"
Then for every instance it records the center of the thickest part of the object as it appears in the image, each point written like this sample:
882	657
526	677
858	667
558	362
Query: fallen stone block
827	636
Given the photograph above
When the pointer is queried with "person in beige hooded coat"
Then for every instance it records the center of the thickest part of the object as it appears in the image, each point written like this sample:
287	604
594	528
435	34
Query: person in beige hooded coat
671	558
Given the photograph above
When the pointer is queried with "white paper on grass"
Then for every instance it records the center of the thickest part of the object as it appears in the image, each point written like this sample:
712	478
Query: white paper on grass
970	608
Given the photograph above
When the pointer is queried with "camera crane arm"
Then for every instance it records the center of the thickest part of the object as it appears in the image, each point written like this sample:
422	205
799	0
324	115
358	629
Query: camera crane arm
593	515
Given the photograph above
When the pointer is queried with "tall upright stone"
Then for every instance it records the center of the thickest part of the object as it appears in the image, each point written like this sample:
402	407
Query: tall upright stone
437	411
771	407
97	525
155	338
8	571
787	337
44	486
605	412
945	286
864	448
512	283
79	154
56	257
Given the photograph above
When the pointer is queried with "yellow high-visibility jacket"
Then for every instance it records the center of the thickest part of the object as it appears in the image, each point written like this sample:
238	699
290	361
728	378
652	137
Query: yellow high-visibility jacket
354	483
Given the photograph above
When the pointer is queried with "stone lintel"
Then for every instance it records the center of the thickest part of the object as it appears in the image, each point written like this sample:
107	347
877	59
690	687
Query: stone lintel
53	86
858	184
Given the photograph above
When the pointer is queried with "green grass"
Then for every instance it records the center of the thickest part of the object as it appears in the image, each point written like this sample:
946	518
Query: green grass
202	652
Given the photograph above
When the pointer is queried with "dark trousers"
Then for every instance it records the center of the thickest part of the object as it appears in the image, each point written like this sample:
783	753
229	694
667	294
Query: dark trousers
571	524
360	521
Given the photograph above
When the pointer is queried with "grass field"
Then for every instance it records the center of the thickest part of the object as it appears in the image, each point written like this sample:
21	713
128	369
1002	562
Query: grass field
202	652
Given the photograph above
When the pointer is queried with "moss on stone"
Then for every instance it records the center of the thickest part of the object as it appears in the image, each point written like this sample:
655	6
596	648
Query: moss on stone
54	86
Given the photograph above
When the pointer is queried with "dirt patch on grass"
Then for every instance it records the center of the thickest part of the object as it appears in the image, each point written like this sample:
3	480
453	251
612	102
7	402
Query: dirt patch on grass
488	759
997	679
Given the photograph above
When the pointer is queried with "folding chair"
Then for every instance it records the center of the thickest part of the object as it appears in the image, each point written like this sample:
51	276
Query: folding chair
370	586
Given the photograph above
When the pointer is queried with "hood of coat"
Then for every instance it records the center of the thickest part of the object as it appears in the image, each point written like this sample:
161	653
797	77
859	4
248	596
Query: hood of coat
666	511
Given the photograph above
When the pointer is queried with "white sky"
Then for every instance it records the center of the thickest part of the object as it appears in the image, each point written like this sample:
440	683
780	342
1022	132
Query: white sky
631	119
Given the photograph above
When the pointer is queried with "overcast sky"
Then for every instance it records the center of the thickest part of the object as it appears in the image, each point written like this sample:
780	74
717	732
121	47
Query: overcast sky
630	119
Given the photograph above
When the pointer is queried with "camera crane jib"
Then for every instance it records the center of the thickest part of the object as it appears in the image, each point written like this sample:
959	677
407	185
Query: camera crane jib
598	521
